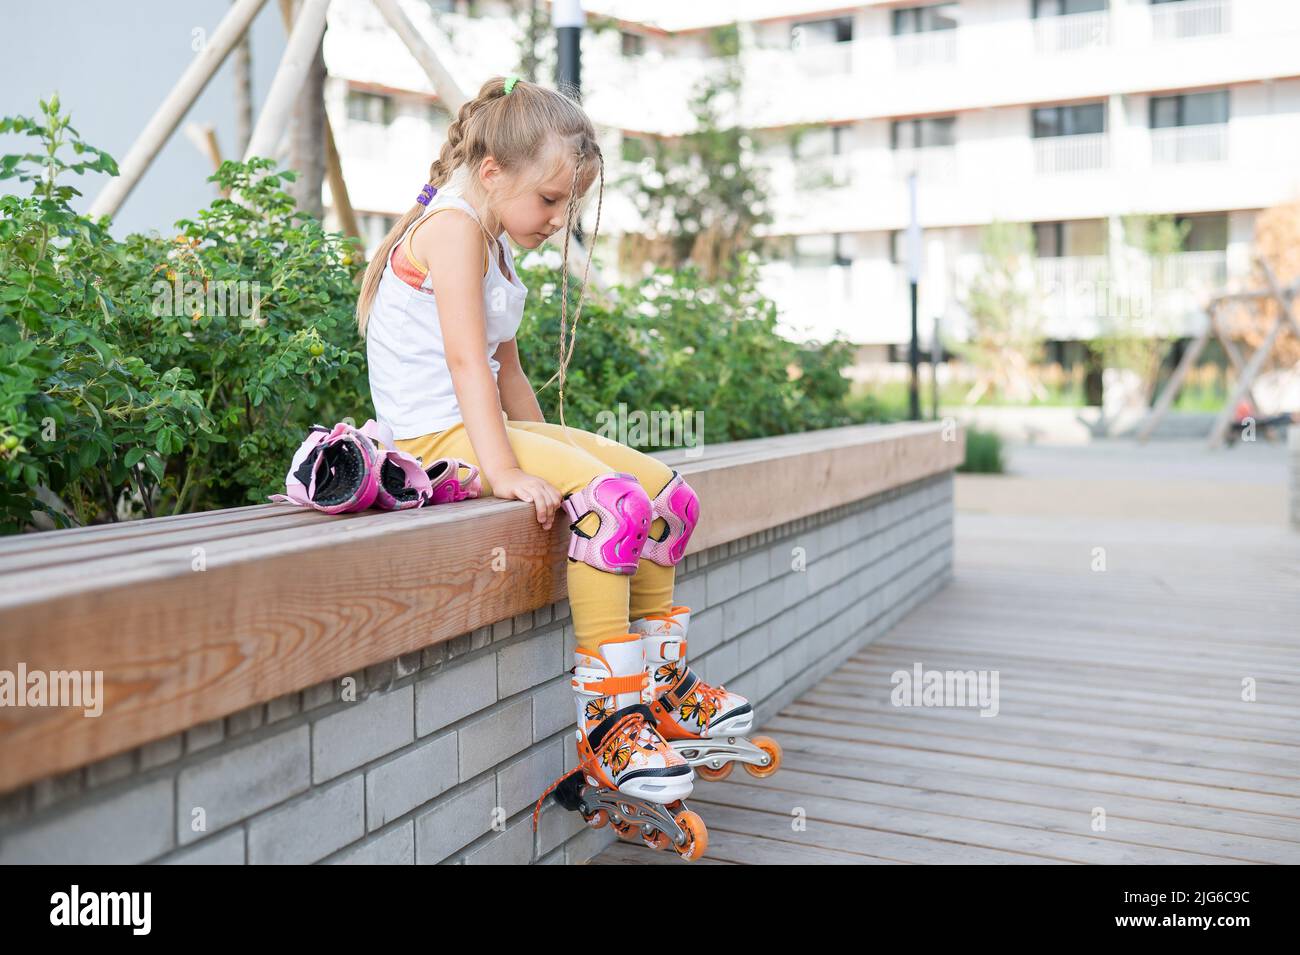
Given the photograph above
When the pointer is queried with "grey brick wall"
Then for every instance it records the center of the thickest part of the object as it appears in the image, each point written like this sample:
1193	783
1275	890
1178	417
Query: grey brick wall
438	756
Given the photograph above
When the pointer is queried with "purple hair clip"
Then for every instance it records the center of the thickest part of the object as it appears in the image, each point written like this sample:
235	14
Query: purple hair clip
426	194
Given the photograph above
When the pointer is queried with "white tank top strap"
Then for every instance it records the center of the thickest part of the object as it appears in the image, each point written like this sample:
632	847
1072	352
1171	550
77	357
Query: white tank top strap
410	384
445	200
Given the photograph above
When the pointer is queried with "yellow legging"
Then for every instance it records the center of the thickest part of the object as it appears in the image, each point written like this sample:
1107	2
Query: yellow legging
601	602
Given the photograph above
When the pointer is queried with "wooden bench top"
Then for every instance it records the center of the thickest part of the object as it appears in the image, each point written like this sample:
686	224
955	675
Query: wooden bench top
197	616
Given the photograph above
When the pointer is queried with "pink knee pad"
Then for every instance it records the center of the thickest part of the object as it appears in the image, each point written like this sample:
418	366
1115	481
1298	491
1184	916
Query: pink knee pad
679	506
624	510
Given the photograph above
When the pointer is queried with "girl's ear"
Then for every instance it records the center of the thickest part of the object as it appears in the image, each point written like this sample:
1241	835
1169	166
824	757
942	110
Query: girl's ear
490	173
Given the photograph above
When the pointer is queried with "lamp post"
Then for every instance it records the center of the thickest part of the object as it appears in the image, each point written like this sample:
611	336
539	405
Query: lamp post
913	279
568	19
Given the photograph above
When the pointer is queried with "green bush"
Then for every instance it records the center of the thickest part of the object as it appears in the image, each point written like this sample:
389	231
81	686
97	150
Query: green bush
674	343
983	453
126	385
169	374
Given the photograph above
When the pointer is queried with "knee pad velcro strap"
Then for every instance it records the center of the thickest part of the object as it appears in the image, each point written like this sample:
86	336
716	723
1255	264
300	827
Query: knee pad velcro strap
679	507
624	511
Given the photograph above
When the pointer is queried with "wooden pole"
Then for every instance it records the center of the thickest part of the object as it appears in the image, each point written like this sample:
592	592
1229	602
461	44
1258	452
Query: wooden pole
307	138
333	166
243	65
443	82
1166	400
339	188
1232	351
204	138
1247	377
304	40
454	98
173	109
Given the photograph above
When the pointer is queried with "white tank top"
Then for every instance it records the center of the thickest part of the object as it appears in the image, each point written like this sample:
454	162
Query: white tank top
410	383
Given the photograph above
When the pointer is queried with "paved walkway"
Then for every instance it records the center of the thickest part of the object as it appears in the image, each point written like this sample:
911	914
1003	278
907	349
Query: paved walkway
1122	630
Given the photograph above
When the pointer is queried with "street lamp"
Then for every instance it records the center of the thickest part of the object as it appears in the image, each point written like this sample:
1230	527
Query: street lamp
568	19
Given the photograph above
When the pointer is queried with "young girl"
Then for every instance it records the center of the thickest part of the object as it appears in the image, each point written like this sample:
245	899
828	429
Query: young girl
439	307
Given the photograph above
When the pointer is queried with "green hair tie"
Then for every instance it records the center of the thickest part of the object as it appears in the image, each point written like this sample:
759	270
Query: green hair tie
510	83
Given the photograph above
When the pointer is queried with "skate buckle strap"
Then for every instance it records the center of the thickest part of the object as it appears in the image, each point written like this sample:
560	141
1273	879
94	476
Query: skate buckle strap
599	685
679	690
677	645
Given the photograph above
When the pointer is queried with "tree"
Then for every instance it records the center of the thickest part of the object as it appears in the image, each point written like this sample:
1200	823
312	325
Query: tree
1277	242
1005	316
699	195
1133	336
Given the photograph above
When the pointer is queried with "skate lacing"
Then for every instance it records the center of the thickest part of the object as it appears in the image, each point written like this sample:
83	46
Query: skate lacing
631	727
714	697
542	798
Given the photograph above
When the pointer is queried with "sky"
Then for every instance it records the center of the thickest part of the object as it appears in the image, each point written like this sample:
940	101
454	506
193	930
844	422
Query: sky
112	63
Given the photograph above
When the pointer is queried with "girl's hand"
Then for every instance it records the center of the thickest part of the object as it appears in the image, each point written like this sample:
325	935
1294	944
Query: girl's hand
516	484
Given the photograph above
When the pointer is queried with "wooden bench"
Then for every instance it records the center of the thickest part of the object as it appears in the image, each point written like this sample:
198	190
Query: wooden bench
194	617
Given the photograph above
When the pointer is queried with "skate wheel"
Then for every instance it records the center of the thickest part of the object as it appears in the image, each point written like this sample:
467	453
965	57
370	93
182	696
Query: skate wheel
656	839
598	819
773	750
713	775
697	837
625	831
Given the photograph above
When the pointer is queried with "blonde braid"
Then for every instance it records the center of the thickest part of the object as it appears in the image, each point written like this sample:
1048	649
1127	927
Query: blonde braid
565	332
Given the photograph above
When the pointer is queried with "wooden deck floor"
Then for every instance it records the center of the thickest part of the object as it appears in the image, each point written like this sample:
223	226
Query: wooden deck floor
1120	692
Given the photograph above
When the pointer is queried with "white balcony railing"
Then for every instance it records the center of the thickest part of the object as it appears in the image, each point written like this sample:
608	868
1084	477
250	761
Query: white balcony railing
1191	272
823	59
1190	18
1063	155
930	48
823	172
1070	274
1074	295
1073	31
1177	144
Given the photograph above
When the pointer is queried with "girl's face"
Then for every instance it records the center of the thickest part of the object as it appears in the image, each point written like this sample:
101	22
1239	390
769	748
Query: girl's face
532	216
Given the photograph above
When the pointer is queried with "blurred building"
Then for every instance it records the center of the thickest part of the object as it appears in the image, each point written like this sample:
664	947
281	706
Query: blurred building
1066	115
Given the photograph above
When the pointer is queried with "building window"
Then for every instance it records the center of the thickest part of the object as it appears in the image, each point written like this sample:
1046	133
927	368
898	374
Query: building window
633	43
839	255
1080	237
1061	8
819	32
939	16
1069	120
818	251
1205	233
1189	109
818	142
370	108
439	116
1049	239
923	132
